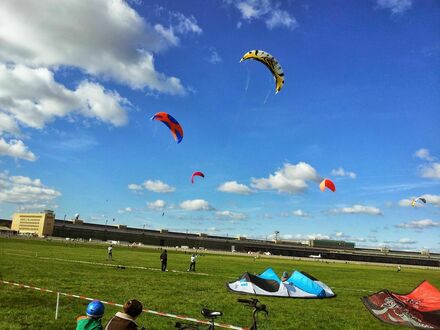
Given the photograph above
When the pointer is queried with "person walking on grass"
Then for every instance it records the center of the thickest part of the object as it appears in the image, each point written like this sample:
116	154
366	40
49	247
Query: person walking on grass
94	312
163	260
192	265
110	253
126	320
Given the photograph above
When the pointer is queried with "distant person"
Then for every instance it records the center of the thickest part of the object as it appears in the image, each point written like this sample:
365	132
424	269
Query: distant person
126	320
110	253
163	260
399	268
192	265
285	277
94	312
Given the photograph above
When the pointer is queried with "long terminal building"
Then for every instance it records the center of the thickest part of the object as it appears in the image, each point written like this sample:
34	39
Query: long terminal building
328	249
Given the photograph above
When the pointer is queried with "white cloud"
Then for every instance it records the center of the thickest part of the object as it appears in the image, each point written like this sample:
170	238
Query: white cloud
299	237
34	207
8	125
234	187
419	224
24	180
134	187
214	57
125	210
24	190
407	241
231	215
265	10
179	25
300	213
103	38
158	186
430	171
341	236
167	33
184	25
196	205
396	6
314	236
33	98
432	199
16	149
280	18
358	209
157	204
341	172
290	179
424	154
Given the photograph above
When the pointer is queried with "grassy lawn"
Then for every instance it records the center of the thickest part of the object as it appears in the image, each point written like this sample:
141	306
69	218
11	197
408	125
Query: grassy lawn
33	262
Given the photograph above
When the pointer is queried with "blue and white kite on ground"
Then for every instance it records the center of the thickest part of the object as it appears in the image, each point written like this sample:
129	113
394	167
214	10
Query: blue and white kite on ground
298	285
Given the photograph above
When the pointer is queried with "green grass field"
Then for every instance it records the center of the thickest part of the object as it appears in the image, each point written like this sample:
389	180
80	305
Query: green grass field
33	262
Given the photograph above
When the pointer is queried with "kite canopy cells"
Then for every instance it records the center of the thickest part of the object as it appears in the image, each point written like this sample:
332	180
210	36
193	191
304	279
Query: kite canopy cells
327	183
196	174
171	123
270	62
418	199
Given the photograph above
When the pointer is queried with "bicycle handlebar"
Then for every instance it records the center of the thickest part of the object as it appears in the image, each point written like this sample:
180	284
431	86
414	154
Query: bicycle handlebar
252	302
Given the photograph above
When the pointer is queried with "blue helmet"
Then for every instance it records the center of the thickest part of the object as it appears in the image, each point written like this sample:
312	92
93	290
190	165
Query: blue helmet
95	309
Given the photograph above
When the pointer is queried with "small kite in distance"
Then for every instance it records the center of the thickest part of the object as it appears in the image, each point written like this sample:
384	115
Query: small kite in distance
414	201
327	183
196	174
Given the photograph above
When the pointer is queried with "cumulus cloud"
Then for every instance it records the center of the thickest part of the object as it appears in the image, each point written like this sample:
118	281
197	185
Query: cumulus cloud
37	207
300	214
419	224
342	236
33	98
312	236
103	38
8	124
290	179
214	57
24	190
235	188
158	186
180	24
357	209
196	205
231	215
430	171
134	187
341	172
16	149
396	6
407	241
424	154
266	10
125	210
30	97
157	204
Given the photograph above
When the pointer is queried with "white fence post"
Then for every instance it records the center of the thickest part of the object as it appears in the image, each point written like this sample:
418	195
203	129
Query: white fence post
56	309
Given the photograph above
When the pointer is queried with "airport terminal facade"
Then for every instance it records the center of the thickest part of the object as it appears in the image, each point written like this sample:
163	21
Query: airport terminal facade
328	249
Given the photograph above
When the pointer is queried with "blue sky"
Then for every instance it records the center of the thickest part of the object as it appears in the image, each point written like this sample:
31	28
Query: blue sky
360	105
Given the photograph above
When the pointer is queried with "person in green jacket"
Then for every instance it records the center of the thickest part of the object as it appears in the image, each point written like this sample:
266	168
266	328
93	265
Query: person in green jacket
95	312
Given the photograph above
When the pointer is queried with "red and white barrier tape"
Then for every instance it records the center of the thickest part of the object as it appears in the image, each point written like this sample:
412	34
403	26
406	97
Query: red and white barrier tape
180	317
